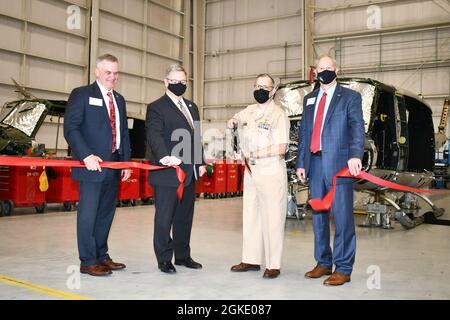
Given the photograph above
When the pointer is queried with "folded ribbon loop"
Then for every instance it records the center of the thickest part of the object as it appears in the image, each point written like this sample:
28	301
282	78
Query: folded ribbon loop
325	203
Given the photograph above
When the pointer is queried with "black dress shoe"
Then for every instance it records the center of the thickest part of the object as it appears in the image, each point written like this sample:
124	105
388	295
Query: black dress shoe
167	267
189	263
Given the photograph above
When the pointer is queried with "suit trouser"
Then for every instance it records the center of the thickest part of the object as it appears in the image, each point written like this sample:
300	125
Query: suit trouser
96	210
176	215
344	245
264	215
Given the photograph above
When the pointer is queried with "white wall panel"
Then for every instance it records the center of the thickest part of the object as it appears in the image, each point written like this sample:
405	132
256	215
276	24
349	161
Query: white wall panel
239	45
122	31
157	66
133	9
81	3
39	50
12	34
146	36
11	8
245	38
40	12
164	19
175	4
229	92
393	14
164	44
56	45
254	35
52	76
130	60
251	63
226	12
10	66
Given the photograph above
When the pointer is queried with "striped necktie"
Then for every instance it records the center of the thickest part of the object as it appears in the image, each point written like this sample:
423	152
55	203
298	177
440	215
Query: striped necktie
185	113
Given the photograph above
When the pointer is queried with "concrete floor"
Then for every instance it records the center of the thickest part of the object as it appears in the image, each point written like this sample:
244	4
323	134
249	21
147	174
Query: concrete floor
39	249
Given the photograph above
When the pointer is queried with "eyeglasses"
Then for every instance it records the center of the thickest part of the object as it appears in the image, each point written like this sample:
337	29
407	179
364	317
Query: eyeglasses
174	81
257	87
325	68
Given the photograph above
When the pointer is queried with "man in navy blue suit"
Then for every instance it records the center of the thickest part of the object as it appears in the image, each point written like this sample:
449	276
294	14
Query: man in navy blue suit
173	133
331	137
95	127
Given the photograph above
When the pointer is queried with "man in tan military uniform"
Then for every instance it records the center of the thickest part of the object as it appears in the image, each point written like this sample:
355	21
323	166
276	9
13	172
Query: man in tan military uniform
264	132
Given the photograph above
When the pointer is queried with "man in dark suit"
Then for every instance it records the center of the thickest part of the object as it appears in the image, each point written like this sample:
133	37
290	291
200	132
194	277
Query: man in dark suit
331	137
95	127
173	133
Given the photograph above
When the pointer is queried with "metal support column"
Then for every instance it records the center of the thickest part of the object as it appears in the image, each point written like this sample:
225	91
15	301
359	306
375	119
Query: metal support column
93	38
199	16
307	36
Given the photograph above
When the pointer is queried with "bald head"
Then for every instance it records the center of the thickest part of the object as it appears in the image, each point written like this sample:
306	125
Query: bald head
325	62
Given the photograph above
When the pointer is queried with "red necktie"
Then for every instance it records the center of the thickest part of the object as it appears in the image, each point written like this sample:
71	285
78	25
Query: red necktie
112	120
315	139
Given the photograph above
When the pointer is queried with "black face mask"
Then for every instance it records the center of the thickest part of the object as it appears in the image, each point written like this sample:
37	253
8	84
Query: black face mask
326	76
177	88
261	95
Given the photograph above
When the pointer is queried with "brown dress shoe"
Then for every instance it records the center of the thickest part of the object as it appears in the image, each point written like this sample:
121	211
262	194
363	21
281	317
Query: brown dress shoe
242	267
318	272
336	279
271	273
96	270
111	264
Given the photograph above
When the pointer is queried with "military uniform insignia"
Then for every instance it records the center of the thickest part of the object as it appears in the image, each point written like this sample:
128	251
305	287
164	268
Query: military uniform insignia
264	125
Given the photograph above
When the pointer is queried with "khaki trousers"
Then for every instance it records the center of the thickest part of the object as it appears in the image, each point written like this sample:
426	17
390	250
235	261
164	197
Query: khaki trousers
264	213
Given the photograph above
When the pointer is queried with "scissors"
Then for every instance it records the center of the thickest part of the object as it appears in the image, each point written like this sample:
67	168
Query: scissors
236	147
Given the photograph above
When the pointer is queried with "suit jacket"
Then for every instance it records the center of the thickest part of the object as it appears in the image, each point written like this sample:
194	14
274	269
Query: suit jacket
163	121
87	130
342	133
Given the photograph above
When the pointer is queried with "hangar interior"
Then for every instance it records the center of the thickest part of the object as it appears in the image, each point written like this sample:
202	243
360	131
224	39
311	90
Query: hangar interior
50	47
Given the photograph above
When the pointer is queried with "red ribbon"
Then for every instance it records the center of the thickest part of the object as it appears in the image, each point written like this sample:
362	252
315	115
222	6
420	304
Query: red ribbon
39	162
325	204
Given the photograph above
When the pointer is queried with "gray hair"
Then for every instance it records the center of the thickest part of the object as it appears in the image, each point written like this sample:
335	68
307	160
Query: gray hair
266	75
175	67
324	55
107	57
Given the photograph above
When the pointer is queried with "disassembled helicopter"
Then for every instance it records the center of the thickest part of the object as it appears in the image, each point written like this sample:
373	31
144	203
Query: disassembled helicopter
399	146
20	121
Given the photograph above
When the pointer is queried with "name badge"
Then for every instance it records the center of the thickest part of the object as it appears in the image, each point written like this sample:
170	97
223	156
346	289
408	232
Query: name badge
310	101
264	125
95	102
